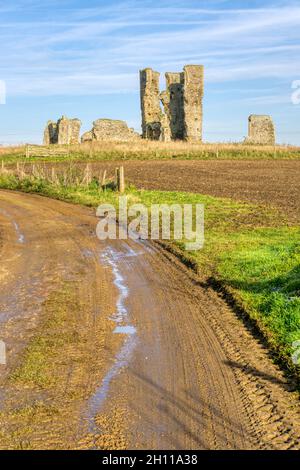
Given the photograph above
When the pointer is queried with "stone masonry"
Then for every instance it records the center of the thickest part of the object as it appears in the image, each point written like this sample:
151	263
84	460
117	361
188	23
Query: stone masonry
63	132
172	100
50	134
192	96
150	104
111	130
181	116
261	130
68	130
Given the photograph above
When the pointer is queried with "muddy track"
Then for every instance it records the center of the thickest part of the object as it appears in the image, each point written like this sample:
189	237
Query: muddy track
159	361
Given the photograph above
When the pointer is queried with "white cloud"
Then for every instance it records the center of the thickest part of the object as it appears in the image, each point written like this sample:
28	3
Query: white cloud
100	50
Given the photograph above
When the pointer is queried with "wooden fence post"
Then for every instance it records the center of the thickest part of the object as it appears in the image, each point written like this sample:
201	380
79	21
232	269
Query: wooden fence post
91	149
103	182
117	178
53	175
87	179
121	180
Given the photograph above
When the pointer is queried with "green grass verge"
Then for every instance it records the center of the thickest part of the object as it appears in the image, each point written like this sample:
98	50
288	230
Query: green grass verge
249	249
39	366
263	269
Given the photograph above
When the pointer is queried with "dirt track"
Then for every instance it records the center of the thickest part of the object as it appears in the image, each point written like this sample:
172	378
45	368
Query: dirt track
159	360
265	182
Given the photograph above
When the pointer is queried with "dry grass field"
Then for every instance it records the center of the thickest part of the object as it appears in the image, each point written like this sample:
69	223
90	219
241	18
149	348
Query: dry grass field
151	150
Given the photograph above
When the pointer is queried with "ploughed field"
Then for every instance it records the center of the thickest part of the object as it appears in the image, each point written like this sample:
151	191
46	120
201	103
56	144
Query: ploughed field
275	183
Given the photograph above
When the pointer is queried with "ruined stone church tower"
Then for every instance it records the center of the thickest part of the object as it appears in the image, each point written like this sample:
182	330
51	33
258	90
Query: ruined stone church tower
181	116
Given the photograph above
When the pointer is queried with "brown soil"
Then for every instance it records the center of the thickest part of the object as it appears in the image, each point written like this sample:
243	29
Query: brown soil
268	182
190	374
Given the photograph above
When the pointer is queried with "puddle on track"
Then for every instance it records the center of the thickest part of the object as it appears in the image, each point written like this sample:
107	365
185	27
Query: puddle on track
20	235
110	257
125	330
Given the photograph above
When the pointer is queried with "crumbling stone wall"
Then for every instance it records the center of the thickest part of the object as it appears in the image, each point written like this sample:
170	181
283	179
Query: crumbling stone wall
68	131
87	137
181	116
50	134
109	129
175	111
261	130
164	129
193	96
63	132
150	104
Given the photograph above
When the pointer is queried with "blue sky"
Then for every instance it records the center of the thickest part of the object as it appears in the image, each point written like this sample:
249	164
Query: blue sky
82	59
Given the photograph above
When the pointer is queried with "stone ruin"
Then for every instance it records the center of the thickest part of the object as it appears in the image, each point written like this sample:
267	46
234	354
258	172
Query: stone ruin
63	132
174	114
110	130
181	117
51	133
261	130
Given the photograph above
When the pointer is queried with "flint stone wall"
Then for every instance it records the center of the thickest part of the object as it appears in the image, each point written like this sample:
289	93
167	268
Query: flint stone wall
181	116
261	130
175	108
192	97
50	133
68	131
111	130
63	132
150	104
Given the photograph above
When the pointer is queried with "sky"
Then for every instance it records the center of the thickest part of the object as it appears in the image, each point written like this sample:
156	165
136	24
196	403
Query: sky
82	59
